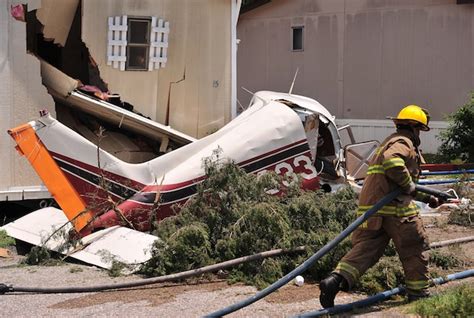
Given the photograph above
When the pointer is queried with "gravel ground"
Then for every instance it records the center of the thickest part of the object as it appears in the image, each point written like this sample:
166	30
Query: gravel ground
163	300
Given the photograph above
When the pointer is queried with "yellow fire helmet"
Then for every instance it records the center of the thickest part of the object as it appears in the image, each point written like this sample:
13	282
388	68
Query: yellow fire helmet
413	115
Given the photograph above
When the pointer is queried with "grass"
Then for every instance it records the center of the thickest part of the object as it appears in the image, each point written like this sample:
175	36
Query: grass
445	260
455	302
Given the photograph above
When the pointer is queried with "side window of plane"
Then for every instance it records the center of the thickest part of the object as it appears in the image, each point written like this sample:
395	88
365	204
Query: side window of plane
325	154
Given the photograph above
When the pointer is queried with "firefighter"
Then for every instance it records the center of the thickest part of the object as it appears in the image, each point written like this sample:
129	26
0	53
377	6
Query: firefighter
396	163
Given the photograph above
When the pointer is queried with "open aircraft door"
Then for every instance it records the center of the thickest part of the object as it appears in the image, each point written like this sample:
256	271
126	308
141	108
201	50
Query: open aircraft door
357	158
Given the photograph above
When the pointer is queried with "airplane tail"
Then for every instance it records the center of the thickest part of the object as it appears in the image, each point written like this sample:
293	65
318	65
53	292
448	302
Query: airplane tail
29	145
78	174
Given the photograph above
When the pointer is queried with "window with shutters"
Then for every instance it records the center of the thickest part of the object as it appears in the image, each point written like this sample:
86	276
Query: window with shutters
137	44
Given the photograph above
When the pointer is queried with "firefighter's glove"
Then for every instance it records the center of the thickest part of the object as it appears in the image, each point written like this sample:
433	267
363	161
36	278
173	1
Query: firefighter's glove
408	193
434	202
410	189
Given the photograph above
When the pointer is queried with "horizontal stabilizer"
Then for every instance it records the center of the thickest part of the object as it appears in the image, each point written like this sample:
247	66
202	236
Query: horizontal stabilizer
101	248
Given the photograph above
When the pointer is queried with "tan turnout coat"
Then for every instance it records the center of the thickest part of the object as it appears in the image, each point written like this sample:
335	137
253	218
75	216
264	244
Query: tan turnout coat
395	164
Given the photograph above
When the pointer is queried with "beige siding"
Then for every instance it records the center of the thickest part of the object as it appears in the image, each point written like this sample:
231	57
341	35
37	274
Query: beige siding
199	49
362	59
57	17
21	97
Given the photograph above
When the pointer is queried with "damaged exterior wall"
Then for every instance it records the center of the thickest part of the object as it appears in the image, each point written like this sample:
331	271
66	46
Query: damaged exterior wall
196	81
21	97
363	59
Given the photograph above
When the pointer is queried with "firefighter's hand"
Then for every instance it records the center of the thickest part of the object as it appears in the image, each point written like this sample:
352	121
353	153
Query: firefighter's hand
434	202
410	189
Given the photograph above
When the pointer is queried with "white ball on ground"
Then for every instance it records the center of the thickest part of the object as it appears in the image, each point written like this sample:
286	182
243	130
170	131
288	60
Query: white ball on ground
299	280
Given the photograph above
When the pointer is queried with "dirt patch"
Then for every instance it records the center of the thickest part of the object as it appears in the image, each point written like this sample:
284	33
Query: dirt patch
154	295
438	230
294	294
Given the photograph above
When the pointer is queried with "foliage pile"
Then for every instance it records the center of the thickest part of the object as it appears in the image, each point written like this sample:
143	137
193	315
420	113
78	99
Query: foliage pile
457	138
233	215
5	240
456	302
386	274
40	255
463	217
444	260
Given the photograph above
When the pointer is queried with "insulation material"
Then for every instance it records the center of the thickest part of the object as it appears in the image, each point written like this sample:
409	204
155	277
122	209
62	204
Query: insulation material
57	17
18	12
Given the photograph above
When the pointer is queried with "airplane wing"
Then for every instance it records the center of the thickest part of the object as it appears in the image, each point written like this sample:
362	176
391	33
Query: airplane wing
100	248
65	88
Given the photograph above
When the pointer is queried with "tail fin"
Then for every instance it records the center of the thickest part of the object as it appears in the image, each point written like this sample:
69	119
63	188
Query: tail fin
29	145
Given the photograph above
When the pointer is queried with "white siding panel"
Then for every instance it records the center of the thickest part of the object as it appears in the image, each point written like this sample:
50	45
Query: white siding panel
21	97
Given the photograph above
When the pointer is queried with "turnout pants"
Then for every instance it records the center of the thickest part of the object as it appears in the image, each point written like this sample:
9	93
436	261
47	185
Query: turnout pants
370	240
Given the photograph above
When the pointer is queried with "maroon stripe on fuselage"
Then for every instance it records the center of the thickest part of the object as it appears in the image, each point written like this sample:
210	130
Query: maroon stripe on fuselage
94	196
267	154
107	174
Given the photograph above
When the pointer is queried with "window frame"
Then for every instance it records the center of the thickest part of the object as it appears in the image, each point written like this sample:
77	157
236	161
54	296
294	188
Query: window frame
130	44
293	30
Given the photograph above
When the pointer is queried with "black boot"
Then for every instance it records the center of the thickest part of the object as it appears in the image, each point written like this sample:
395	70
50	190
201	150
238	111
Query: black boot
416	295
329	287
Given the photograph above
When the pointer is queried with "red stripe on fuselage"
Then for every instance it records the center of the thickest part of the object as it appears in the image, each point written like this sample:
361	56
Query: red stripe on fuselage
130	183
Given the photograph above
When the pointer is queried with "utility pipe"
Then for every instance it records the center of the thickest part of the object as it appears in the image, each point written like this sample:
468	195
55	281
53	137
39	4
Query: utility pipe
442	181
451	242
442	173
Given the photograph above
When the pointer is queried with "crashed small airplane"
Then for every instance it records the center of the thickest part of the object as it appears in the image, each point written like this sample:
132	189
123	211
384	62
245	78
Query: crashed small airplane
279	132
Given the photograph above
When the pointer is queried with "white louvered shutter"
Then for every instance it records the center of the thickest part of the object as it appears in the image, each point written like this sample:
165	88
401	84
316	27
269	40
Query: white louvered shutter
158	43
117	42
